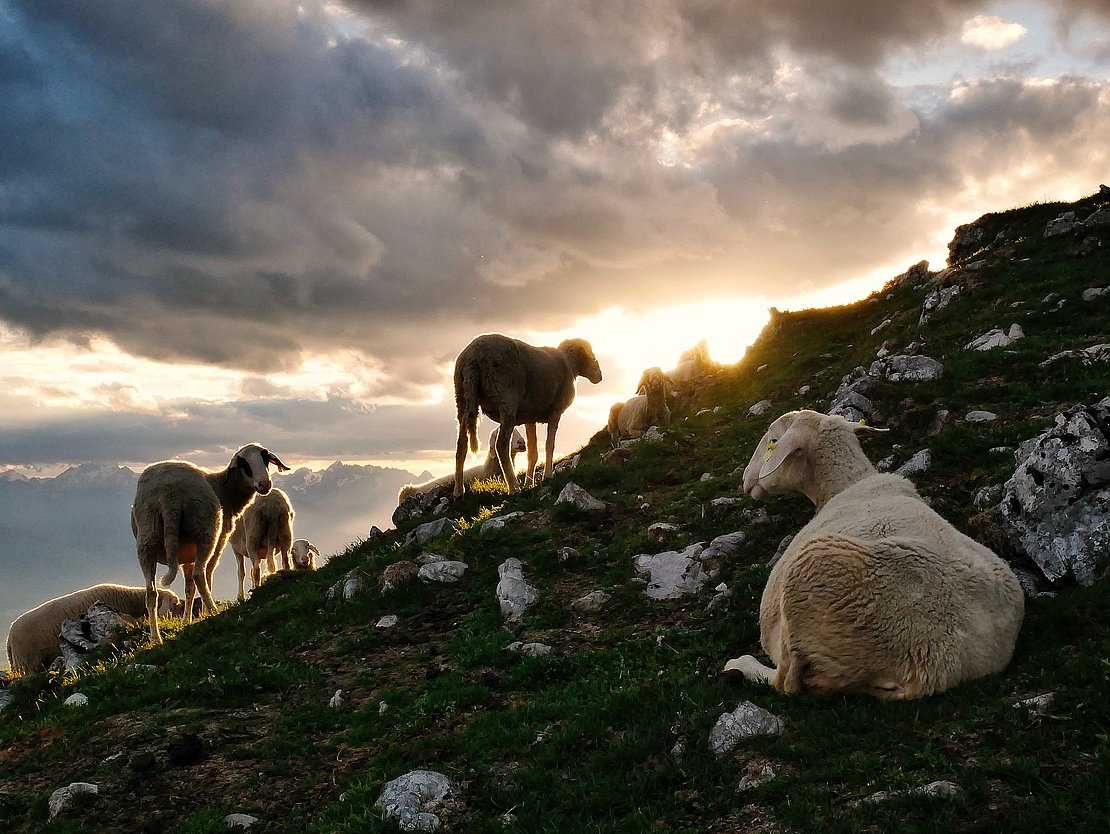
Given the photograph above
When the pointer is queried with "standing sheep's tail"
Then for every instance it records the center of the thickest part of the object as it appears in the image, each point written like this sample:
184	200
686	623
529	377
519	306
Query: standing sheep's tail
170	519
466	401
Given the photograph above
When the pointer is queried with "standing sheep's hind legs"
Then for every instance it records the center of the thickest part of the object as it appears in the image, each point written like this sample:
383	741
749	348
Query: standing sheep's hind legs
749	669
152	609
460	458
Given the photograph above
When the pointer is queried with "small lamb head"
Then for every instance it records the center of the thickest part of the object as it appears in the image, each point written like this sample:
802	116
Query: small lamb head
252	460
304	553
582	359
170	604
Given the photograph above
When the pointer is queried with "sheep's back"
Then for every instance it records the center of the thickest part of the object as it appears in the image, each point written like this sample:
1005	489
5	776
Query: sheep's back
33	636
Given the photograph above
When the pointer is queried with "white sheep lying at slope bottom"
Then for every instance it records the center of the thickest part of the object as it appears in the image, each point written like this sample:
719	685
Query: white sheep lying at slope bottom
183	515
877	594
264	528
304	555
649	408
33	638
489	468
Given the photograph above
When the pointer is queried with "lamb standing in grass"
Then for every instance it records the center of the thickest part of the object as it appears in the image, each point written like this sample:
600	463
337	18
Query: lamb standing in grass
304	555
515	383
183	515
877	594
264	528
33	638
649	408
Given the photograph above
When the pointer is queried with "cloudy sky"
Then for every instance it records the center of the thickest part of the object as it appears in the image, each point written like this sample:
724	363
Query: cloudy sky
279	221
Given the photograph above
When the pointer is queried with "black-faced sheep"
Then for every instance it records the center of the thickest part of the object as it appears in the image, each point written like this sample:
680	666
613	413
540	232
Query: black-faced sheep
33	638
304	555
264	528
183	515
649	408
516	384
877	594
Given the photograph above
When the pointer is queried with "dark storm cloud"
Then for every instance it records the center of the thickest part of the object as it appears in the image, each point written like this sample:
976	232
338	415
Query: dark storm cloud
243	184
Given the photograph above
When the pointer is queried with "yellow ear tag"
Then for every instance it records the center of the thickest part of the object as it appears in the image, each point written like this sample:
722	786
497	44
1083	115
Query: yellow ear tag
770	450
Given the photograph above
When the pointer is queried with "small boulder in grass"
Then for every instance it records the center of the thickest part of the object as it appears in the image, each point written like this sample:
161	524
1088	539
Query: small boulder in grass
744	722
63	796
240	820
416	800
577	497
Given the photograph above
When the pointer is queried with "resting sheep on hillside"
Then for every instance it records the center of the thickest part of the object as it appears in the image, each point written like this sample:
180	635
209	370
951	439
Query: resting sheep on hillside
303	553
33	638
183	515
265	527
649	408
693	364
515	383
877	594
489	468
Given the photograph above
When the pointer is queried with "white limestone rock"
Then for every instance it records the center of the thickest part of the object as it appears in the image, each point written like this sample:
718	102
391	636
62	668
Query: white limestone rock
61	797
415	801
514	594
576	496
498	522
744	722
674	573
239	820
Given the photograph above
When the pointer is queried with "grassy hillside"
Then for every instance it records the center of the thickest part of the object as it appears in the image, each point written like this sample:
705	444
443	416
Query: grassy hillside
584	739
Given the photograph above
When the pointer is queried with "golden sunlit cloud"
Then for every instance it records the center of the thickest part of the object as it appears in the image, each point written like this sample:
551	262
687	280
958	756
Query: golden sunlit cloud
991	33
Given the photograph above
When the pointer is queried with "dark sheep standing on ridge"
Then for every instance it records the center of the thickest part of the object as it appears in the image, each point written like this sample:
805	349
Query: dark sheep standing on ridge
515	384
183	515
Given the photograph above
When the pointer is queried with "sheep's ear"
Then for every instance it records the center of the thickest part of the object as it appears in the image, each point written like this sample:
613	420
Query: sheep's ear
861	427
270	457
777	451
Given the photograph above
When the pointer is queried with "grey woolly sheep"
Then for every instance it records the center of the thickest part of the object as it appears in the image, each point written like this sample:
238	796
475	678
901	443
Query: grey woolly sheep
33	638
265	527
877	594
304	555
516	384
649	408
183	515
489	468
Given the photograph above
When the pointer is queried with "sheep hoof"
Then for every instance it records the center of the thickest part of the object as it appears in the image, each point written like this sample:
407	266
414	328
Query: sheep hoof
731	677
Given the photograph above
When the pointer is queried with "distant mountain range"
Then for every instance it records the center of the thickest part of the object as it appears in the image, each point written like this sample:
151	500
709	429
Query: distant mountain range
67	532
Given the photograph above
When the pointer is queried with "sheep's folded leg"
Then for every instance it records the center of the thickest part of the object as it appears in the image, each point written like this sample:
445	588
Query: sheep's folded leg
751	669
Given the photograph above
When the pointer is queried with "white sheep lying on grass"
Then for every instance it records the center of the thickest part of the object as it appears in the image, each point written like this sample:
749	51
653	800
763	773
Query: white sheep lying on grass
183	515
304	555
693	364
648	408
33	638
877	594
264	528
489	468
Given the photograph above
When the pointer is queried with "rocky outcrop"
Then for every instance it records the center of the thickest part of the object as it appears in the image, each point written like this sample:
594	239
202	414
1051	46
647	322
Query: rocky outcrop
417	800
1057	504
